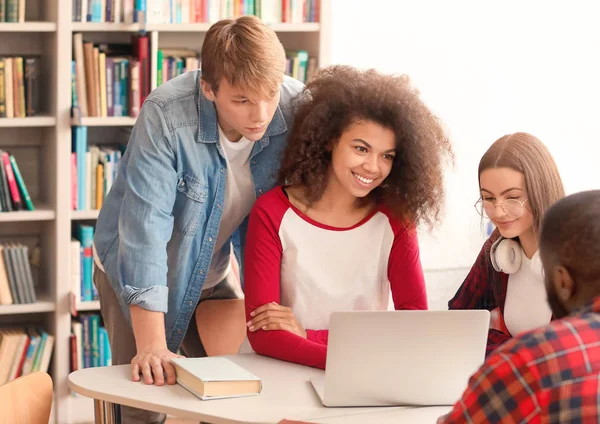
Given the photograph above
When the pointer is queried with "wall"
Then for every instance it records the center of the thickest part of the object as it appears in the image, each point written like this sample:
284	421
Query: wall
486	70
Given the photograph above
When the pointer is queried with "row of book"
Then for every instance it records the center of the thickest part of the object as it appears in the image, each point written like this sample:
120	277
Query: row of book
16	278
193	11
14	195
23	351
82	262
110	79
19	86
299	65
93	170
90	346
12	10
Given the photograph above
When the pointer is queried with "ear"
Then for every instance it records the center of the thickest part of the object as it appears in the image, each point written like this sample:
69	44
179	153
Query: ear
207	90
563	283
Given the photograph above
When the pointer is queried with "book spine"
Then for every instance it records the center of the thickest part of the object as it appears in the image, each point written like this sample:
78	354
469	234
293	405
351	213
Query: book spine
21	183
2	96
21	82
10	176
12	10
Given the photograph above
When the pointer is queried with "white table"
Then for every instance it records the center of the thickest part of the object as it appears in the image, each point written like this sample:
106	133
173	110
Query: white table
287	393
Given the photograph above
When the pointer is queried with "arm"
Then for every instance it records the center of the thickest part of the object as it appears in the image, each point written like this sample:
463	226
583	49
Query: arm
475	291
145	227
405	273
503	390
262	267
145	220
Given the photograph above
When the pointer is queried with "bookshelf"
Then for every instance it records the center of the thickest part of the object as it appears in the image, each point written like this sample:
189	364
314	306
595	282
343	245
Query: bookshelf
42	144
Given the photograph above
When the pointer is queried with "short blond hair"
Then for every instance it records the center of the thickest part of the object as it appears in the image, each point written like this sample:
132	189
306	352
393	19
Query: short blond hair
247	53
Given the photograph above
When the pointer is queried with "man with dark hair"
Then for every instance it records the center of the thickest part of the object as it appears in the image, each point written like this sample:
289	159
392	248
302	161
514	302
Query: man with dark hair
551	374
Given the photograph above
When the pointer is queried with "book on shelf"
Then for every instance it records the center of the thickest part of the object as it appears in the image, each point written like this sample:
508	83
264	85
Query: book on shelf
14	195
109	79
16	277
299	65
82	262
193	11
93	170
12	11
89	343
19	86
23	351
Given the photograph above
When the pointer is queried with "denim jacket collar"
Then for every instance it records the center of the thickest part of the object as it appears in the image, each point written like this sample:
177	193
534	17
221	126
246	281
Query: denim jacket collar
208	128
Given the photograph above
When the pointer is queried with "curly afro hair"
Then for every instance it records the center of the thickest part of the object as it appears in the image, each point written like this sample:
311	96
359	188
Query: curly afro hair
339	96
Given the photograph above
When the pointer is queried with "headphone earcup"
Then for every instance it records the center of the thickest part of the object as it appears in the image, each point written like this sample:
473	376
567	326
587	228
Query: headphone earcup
506	256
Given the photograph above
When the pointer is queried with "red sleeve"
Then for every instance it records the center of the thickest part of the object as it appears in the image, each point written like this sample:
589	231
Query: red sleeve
262	267
405	272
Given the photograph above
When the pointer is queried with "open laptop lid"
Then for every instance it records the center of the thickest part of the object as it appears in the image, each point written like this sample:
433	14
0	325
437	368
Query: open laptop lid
403	357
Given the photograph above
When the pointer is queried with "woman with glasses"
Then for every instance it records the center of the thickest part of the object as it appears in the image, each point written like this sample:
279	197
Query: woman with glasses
518	182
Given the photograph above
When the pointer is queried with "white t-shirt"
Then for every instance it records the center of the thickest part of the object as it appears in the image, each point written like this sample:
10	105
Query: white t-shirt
526	304
239	198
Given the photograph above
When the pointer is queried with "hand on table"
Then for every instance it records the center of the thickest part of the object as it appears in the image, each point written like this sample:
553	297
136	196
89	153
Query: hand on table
153	363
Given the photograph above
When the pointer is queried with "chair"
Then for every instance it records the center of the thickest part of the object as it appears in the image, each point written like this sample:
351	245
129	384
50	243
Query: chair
27	399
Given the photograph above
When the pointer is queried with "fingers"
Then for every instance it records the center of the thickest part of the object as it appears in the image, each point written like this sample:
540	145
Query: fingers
273	318
146	373
278	326
272	306
170	372
257	320
272	323
135	371
157	370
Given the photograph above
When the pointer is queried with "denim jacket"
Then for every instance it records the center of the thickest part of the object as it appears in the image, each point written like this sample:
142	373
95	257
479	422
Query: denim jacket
157	229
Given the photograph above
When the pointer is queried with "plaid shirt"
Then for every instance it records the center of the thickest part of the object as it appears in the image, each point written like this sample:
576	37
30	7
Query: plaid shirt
547	375
484	288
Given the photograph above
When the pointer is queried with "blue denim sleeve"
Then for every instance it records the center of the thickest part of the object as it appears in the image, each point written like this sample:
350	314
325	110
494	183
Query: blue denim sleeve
145	220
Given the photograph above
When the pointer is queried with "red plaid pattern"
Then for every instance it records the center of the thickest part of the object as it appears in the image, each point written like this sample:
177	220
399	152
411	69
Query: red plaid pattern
548	375
485	288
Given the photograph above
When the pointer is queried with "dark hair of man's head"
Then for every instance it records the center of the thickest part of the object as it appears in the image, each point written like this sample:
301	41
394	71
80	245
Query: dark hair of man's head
570	237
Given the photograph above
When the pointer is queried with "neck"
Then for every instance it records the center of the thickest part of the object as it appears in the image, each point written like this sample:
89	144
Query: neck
529	242
232	134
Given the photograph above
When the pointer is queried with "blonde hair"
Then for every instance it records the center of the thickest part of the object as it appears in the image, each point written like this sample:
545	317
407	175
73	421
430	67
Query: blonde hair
247	53
525	153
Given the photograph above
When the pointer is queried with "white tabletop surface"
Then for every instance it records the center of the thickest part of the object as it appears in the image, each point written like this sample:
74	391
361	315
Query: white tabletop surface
287	393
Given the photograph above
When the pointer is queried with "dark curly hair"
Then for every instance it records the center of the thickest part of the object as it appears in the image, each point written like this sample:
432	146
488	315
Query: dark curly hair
338	97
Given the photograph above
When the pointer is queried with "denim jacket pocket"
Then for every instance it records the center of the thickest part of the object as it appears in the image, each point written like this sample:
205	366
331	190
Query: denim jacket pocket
189	203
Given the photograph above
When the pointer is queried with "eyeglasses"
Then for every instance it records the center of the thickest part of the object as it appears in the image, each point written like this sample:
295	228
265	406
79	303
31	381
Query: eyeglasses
512	207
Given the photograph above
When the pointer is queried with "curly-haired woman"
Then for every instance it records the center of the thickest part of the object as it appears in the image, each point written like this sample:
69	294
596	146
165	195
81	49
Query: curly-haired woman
362	169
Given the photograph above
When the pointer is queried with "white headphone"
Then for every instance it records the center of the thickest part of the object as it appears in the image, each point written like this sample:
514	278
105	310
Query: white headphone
506	255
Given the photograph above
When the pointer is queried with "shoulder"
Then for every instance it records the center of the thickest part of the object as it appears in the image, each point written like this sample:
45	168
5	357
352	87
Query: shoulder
290	89
401	228
271	206
185	87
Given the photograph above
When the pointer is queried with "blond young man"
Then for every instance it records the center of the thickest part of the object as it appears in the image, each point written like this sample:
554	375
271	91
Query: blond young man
204	147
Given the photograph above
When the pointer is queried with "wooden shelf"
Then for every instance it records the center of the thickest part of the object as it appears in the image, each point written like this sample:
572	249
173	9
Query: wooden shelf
93	305
41	213
83	215
192	27
28	308
103	27
111	121
33	121
27	27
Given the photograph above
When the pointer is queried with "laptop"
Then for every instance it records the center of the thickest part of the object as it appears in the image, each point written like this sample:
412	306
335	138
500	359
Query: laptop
391	358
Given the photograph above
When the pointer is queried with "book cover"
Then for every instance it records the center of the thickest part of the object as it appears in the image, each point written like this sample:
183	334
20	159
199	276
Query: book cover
21	184
215	378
